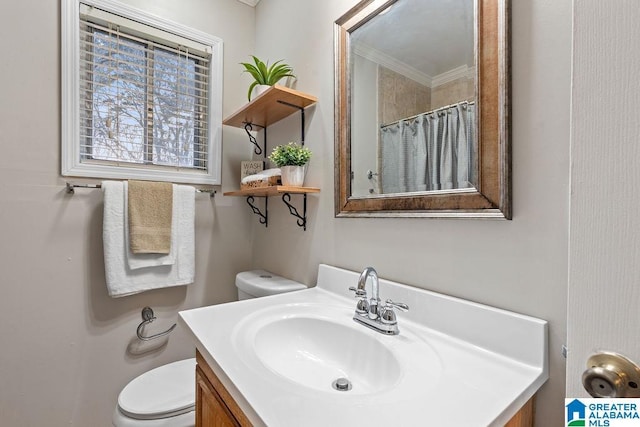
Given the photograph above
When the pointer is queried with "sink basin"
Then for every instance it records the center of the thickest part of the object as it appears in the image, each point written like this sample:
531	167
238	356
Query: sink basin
315	352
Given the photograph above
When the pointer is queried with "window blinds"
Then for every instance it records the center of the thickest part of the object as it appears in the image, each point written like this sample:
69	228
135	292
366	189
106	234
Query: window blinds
143	95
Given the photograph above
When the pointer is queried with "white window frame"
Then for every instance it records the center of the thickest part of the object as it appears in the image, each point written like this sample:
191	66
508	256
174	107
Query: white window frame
70	150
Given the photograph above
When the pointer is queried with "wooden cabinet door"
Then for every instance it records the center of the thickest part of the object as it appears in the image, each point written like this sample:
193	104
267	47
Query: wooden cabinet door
210	409
524	417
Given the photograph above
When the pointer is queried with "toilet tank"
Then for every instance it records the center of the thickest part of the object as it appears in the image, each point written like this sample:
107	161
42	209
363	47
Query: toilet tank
261	283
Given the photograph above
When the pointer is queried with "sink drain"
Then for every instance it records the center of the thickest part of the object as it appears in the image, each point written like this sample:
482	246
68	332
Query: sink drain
342	384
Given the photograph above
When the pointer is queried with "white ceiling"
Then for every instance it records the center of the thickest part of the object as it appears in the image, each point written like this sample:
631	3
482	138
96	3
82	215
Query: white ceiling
433	37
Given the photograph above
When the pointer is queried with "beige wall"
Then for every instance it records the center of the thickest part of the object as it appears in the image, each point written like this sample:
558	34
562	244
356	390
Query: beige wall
519	265
64	341
63	351
400	97
452	92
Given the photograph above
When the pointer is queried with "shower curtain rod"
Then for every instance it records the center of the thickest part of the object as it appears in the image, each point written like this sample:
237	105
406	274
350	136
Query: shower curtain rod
71	188
446	107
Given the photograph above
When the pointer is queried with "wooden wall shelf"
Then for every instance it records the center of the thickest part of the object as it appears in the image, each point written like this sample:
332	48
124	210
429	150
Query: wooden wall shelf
270	107
273	105
272	191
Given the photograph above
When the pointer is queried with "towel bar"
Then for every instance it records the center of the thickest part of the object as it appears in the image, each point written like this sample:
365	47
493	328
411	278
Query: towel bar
148	317
70	188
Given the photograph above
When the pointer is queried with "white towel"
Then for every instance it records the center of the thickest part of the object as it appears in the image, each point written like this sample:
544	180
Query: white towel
262	175
135	261
122	280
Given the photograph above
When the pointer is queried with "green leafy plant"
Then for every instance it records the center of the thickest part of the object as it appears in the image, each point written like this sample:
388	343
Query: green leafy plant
290	154
265	74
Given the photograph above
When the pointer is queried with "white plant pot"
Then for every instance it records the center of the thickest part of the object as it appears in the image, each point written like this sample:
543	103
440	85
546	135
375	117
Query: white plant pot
292	176
289	82
258	90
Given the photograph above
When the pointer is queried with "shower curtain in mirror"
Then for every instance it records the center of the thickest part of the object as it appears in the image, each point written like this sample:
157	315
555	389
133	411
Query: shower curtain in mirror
432	151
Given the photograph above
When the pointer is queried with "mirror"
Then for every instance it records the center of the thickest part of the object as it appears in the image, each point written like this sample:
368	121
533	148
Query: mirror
422	109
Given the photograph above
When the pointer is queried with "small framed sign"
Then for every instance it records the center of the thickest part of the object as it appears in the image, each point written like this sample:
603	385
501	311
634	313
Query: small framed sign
250	167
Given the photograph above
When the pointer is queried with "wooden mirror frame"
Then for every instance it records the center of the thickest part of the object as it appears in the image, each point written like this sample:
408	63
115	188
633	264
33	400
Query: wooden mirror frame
492	196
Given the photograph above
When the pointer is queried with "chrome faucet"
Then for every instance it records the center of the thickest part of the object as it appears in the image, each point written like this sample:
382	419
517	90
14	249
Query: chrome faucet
368	312
375	290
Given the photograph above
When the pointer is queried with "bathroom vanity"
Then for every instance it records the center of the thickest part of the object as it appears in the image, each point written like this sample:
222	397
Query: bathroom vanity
279	360
215	407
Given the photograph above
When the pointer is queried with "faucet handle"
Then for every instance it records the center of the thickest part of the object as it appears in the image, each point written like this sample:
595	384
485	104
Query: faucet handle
402	306
360	293
362	308
387	315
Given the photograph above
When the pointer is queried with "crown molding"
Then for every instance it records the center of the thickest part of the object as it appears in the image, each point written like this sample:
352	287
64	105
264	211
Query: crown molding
408	71
251	3
391	63
457	73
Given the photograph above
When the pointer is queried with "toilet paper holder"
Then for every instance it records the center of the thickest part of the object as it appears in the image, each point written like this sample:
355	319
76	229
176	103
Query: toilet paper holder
611	375
148	317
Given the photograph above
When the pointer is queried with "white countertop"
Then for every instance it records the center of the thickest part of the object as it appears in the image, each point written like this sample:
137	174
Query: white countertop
471	365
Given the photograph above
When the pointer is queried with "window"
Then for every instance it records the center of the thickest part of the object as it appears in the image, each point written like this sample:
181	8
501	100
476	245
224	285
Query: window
141	96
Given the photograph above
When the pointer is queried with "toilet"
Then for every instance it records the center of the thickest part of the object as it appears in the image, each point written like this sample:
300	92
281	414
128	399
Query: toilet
261	283
165	396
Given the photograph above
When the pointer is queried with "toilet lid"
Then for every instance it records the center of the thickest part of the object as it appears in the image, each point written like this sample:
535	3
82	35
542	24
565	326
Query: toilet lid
161	392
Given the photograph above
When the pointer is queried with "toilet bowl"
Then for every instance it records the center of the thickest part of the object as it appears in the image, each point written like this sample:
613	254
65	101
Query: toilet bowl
165	396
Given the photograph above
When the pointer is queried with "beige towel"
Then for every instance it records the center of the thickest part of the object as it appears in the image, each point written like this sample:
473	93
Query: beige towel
150	207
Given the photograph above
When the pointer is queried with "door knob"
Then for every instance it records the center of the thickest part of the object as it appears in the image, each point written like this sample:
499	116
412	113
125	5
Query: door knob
611	375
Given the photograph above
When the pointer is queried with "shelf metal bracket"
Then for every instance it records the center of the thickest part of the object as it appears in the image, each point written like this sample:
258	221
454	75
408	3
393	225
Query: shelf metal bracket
256	210
301	117
302	219
248	127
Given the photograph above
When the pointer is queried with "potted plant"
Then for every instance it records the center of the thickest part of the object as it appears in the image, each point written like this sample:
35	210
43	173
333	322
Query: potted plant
266	75
291	158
